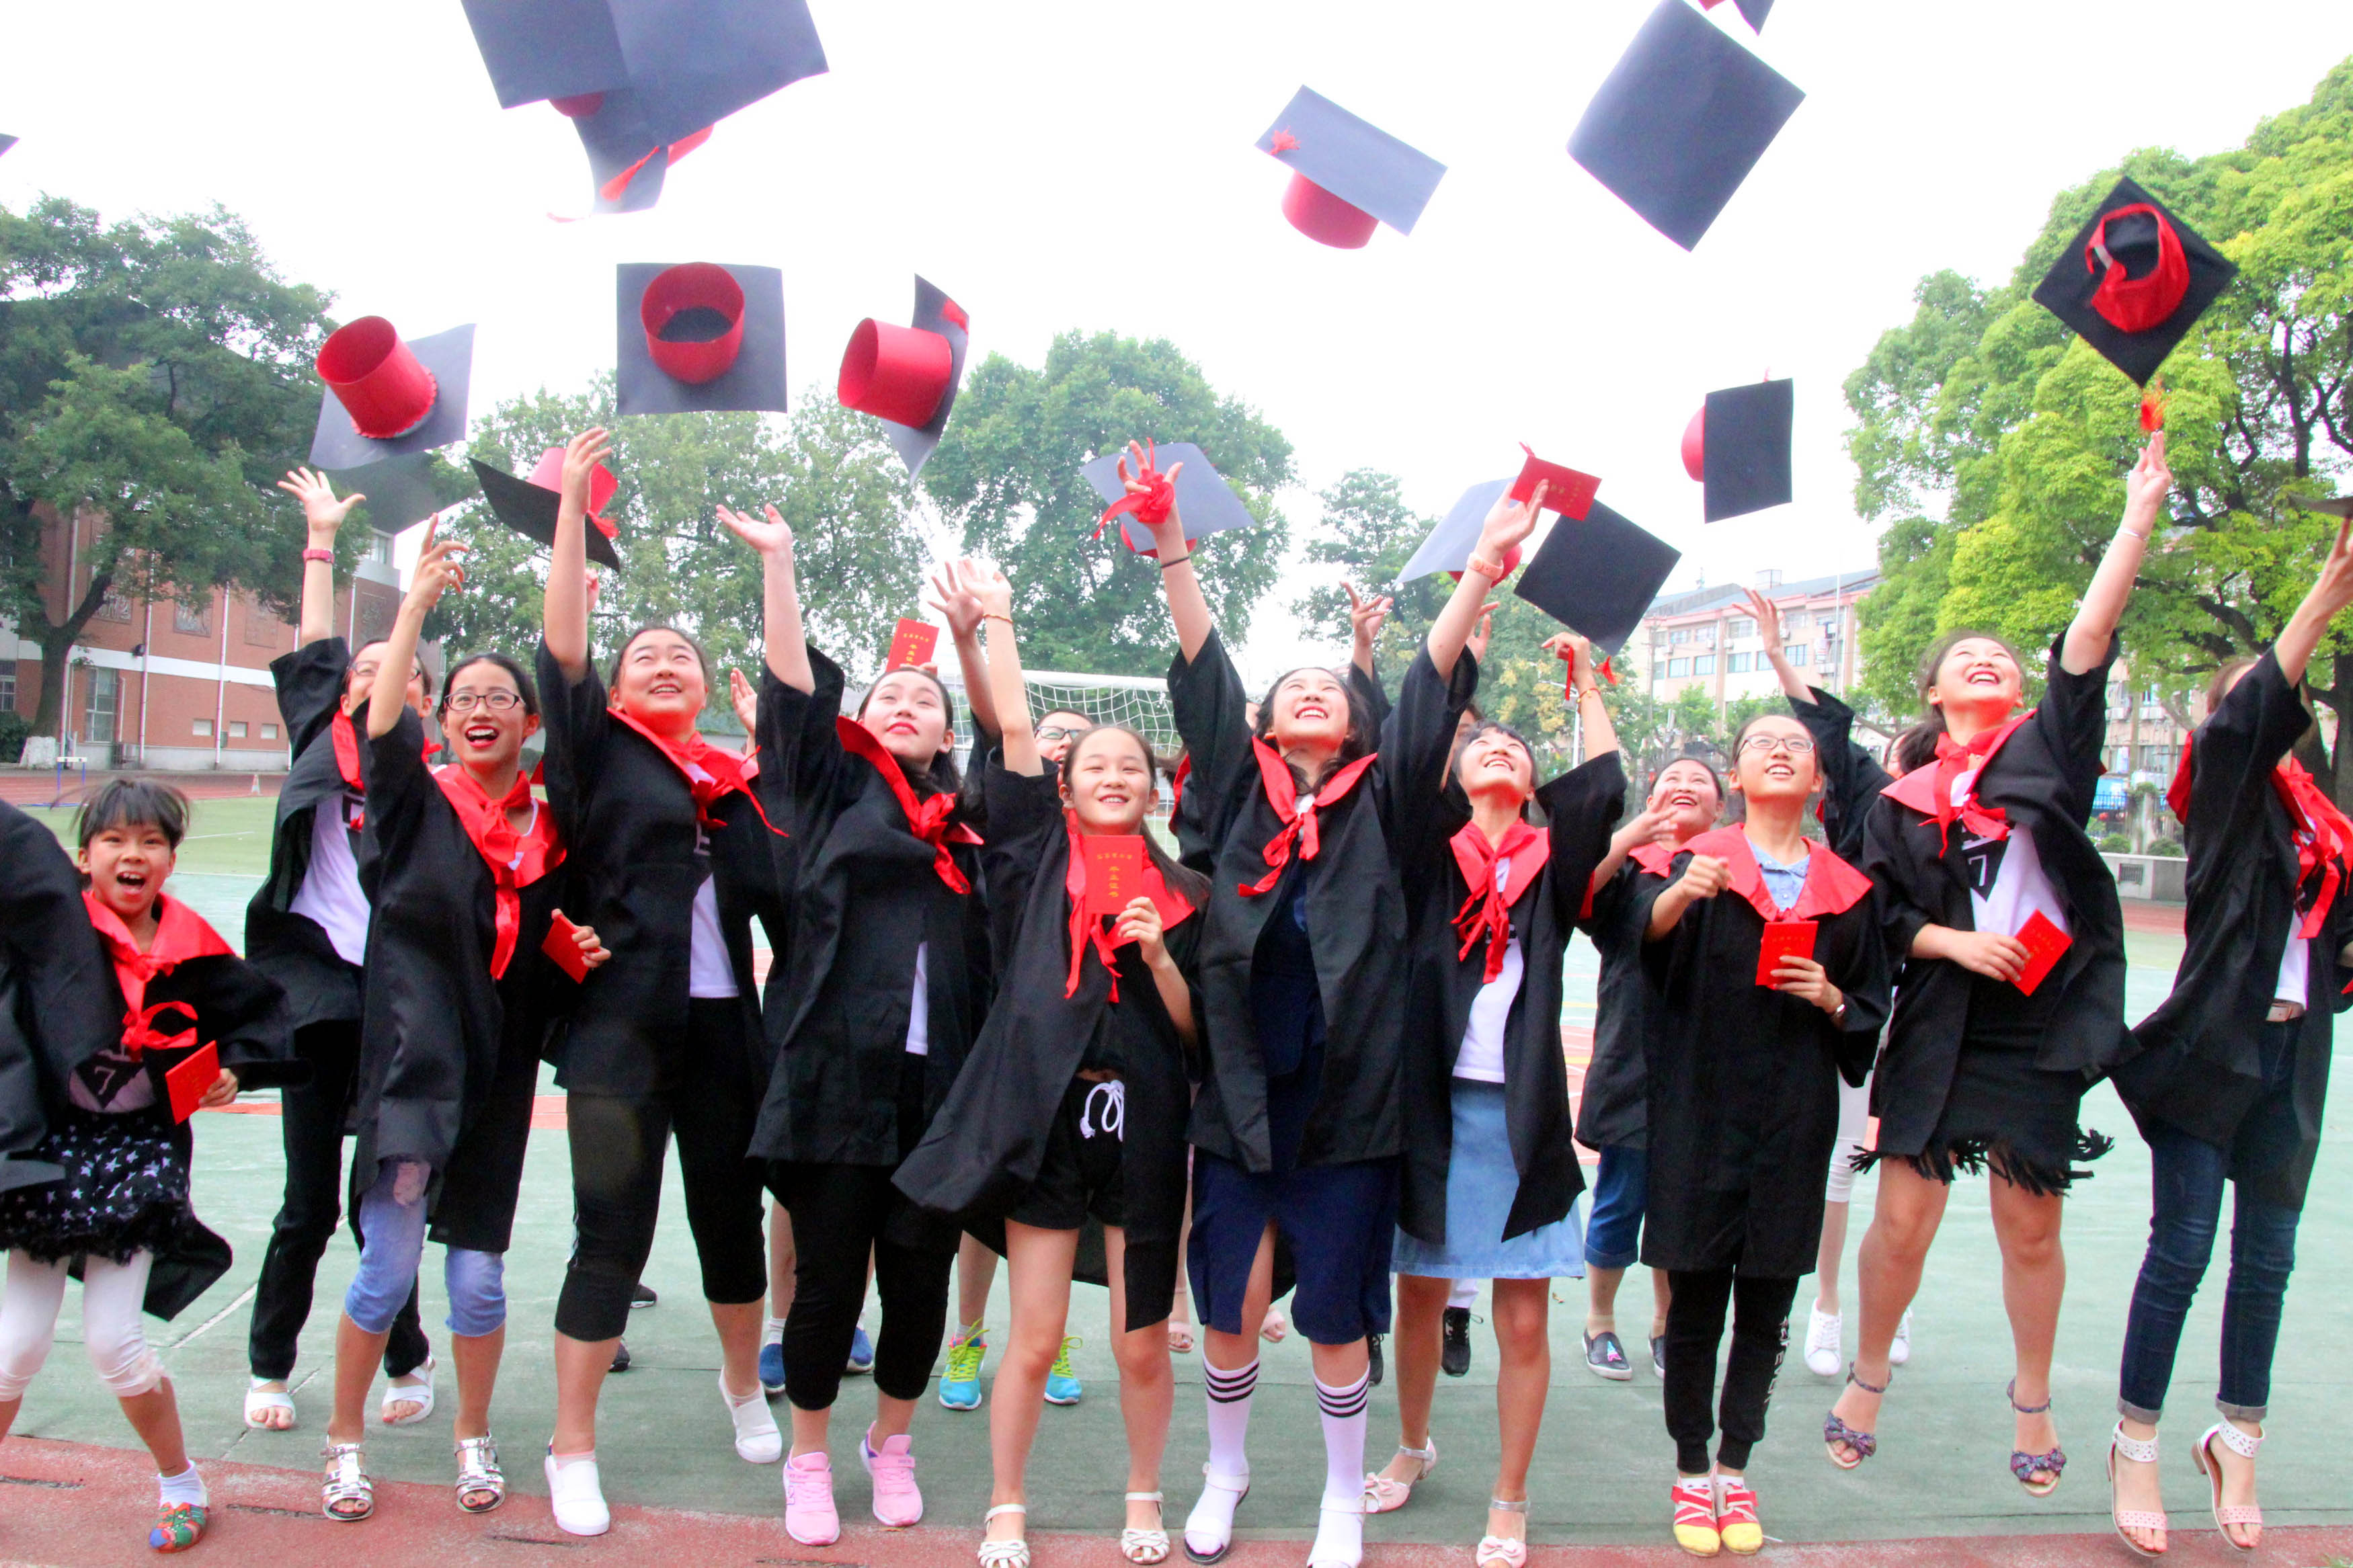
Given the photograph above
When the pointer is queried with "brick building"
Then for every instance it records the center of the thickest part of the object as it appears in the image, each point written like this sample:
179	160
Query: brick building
168	685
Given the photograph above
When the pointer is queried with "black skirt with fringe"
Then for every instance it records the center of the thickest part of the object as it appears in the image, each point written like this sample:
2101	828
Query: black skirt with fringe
125	1190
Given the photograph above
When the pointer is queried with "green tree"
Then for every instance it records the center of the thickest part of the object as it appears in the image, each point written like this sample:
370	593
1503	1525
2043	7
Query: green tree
1368	533
1993	443
156	372
1009	475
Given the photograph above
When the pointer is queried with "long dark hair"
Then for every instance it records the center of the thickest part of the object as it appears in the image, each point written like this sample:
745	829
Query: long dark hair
1932	716
1185	883
941	775
1363	735
521	679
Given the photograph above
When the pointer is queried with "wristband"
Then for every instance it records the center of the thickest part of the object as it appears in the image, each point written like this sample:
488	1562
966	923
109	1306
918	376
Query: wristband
993	615
314	553
1179	561
1490	570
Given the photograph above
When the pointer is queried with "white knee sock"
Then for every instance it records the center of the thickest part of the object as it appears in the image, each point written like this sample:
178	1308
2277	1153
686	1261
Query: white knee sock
1211	1523
1340	1523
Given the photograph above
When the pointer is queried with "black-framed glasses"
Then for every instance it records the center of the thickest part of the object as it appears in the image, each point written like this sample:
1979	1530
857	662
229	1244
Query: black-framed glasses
496	701
1056	732
1796	745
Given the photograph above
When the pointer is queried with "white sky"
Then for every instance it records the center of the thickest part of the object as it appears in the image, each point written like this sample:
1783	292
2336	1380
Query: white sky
1056	165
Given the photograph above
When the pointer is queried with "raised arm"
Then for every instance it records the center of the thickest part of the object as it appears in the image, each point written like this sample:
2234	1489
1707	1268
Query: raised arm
785	644
324	515
1008	689
952	598
2330	592
1186	608
2095	626
437	569
1366	616
1508	522
1600	735
1768	626
565	621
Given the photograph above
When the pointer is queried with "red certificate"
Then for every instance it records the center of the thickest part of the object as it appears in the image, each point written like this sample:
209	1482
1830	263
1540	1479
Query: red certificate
2046	944
1115	871
1783	939
913	642
561	947
188	1081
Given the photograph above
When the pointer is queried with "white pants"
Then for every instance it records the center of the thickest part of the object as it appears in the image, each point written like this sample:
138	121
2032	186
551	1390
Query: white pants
113	1326
1855	1125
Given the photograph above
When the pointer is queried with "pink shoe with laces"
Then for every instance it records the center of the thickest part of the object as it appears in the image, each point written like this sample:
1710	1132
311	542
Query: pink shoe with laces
809	1514
897	1502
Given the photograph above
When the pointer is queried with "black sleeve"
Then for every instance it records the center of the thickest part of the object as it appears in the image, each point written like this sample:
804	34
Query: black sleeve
310	682
797	739
2073	719
392	766
1887	862
1205	697
1581	807
1642	891
2338	934
2232	756
1416	743
578	728
243	1013
1368	687
52	945
1023	813
1865	983
1851	776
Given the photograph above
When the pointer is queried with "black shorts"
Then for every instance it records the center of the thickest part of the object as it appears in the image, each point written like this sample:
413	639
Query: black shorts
1081	1175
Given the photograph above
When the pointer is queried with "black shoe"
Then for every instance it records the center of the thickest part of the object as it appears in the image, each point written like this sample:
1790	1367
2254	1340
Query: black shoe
641	1296
1373	1352
1456	1357
620	1356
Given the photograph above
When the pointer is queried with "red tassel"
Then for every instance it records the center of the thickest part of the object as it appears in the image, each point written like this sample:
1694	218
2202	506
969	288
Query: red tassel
2152	406
1282	141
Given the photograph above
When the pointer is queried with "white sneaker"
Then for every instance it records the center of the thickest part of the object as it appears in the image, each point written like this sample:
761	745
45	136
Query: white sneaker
1821	1343
757	1441
1899	1350
577	1497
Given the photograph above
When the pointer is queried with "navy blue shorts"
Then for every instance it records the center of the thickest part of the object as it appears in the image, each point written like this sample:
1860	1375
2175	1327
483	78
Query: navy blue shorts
1337	1223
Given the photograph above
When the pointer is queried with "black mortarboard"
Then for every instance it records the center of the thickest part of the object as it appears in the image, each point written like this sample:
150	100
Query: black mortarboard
1204	500
2335	505
1738	448
1753	12
7	142
693	65
2134	280
529	505
388	399
907	376
1598	577
1345	173
699	337
1680	121
538	49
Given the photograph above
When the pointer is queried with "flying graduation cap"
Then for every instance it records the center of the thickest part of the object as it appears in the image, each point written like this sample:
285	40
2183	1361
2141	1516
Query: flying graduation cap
1206	502
389	404
1737	446
1597	577
7	142
1449	544
1680	122
699	338
529	505
2134	280
907	376
1346	174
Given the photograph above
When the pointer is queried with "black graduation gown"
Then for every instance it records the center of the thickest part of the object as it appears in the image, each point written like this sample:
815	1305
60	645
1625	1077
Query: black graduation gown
1355	913
1579	809
1851	776
2042	779
52	1019
633	863
1613	1105
865	896
983	1148
2200	1068
449	1057
290	949
1743	1080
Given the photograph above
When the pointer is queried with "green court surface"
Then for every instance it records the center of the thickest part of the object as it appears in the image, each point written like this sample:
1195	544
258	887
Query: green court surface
1604	1461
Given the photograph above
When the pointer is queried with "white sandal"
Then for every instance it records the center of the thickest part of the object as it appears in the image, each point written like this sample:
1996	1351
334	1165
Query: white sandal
2139	1453
1503	1550
1013	1553
418	1393
479	1472
347	1481
1144	1546
2241	1514
260	1401
1386	1495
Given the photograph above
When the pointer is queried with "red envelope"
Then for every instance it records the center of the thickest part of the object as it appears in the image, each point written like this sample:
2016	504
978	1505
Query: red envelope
565	952
1567	491
188	1080
913	643
1783	939
2046	944
1115	871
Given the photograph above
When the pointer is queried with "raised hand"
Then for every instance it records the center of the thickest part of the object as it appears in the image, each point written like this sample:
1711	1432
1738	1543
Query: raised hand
1576	650
1170	531
581	455
773	537
1768	617
320	509
437	569
746	700
1367	615
2147	487
1508	523
985	582
952	597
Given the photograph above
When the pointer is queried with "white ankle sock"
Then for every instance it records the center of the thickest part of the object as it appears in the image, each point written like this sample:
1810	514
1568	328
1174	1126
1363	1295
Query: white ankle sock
188	1487
1340	1521
772	1331
1211	1523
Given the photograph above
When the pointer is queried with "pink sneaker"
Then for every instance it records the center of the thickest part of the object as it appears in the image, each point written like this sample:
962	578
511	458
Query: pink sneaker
897	1503
810	1515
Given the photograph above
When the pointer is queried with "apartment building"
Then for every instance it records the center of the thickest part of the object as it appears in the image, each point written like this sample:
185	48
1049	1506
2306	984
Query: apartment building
1705	639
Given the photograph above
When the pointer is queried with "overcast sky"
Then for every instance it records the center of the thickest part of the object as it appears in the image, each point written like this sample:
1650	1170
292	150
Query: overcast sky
1058	165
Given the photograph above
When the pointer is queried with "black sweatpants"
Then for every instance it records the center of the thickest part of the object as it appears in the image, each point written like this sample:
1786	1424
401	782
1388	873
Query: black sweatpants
1760	1334
310	1122
705	1092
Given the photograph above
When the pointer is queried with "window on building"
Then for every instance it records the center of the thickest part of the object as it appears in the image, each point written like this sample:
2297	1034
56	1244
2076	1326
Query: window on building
1796	653
8	686
200	727
2157	759
1679	634
236	729
269	731
379	548
1742	628
99	712
1704	664
1678	666
1741	663
1797	621
193	619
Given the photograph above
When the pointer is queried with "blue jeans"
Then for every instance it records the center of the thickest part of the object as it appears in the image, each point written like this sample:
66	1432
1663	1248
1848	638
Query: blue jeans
1613	1233
2187	1174
392	1217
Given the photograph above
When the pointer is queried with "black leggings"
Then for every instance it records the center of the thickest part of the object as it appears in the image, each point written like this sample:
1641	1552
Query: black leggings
705	1093
310	1122
1760	1333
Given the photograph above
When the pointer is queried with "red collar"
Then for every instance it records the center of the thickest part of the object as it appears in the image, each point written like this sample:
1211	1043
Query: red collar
927	819
1176	782
515	859
1833	887
1929	791
2322	837
1299	815
712	774
1085	933
1488	910
181	934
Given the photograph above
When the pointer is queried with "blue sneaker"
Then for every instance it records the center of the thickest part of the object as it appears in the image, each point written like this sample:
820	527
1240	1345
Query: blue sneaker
861	1352
1062	1385
771	1368
960	1385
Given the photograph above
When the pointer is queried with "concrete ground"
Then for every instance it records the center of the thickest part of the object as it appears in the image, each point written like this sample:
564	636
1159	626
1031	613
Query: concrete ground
1938	1492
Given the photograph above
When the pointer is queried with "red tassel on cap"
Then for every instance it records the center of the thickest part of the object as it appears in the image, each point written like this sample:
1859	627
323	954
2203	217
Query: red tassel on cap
2152	406
1324	217
548	475
383	386
898	374
691	286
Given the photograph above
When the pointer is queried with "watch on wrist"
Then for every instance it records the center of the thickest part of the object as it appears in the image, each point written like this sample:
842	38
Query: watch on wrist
1837	1014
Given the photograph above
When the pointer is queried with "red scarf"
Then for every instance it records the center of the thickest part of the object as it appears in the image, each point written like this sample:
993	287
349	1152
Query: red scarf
1489	908
181	934
712	774
515	859
927	819
1299	821
1929	791
2323	837
1833	887
1176	782
1085	933
345	738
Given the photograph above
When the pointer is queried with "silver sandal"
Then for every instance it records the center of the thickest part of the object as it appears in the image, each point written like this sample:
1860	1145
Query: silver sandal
347	1481
479	1472
1144	1547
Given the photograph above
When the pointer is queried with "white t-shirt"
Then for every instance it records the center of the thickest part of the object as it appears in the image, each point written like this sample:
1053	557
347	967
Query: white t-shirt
329	895
709	973
2295	968
1481	1057
919	1010
2006	882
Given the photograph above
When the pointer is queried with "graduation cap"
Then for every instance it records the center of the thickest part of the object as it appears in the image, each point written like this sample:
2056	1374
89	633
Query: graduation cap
388	400
625	165
1682	118
7	142
2134	280
1753	12
907	376
1598	577
1449	544
1204	500
2335	505
529	505
699	338
1346	174
538	49
1737	446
